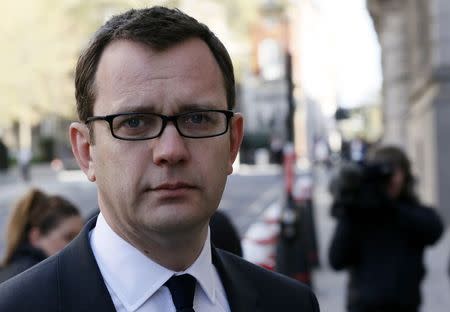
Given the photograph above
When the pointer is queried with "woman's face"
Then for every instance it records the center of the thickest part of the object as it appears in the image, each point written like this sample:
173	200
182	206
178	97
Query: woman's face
396	183
57	238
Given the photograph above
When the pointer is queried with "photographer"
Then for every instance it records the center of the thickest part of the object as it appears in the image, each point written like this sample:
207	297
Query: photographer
381	233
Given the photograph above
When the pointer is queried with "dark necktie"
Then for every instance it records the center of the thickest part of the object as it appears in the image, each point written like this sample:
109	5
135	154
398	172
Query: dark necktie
182	289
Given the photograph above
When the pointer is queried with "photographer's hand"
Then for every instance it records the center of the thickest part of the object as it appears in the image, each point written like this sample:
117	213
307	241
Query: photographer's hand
422	224
343	251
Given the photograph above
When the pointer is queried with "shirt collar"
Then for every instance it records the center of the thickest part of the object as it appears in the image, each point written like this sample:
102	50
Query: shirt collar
133	276
203	270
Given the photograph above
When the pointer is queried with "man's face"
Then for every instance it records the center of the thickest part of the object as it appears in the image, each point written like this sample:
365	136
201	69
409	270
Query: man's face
171	183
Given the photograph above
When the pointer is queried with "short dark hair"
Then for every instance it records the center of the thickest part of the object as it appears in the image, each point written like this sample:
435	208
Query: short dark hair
397	158
158	27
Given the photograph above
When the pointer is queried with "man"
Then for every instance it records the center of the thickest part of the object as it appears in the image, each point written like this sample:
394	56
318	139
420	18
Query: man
154	92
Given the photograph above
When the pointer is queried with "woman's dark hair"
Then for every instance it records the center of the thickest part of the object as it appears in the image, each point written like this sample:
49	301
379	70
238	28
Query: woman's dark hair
396	158
35	210
158	27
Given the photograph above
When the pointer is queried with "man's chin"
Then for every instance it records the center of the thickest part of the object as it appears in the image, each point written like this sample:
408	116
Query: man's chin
173	218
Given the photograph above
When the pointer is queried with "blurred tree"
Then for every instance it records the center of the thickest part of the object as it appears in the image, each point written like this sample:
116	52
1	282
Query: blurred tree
41	40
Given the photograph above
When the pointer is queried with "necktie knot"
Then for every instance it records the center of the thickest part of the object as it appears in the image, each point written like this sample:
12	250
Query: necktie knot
182	289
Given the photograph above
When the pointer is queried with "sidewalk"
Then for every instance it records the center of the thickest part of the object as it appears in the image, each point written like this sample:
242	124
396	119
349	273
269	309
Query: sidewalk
329	285
38	171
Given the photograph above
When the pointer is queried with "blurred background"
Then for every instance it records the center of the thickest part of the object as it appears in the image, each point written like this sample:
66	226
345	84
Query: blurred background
330	77
334	70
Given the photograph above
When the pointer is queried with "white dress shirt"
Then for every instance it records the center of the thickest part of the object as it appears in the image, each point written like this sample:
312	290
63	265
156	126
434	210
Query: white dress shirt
136	283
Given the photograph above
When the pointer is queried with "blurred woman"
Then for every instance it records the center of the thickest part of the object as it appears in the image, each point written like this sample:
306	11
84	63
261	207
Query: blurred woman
381	239
40	225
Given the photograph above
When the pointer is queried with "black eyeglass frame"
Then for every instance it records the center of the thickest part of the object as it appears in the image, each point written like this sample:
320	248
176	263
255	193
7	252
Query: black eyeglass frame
165	119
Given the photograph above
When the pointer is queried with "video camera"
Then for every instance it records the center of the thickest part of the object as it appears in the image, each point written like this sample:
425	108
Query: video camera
355	188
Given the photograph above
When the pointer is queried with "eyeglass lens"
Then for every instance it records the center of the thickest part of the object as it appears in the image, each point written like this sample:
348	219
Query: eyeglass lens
193	124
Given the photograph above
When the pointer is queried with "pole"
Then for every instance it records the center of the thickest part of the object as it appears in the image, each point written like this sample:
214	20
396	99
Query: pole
290	100
291	258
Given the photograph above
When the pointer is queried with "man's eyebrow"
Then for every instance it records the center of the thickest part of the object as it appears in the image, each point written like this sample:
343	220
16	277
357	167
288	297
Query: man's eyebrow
183	108
196	107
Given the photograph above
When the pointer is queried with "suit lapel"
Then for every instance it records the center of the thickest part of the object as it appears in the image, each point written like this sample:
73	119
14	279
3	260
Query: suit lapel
241	294
81	284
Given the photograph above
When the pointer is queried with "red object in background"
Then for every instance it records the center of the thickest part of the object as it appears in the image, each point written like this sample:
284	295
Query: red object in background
289	158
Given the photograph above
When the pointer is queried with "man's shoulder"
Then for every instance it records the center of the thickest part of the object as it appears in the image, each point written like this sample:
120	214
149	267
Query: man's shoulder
257	273
16	267
32	289
274	289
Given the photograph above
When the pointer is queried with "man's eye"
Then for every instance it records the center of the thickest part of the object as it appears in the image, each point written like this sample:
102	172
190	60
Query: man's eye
197	118
133	122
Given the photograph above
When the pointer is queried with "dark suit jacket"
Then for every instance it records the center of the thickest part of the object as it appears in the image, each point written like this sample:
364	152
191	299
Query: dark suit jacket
224	235
71	281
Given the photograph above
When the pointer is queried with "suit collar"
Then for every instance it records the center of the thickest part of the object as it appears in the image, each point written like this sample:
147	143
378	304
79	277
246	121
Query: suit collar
82	287
241	294
81	284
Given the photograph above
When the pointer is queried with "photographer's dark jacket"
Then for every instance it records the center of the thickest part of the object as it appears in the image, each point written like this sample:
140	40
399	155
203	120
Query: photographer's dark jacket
383	251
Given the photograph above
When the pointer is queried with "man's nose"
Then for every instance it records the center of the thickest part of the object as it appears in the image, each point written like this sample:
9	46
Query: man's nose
170	147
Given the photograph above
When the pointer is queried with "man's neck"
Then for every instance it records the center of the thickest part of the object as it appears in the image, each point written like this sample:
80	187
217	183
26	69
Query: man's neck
176	251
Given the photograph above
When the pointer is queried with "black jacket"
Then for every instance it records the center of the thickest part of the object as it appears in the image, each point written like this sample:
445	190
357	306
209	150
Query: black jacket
224	235
384	255
73	282
24	258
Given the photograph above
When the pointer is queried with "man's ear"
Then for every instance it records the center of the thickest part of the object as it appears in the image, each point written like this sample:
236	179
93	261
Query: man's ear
81	148
237	133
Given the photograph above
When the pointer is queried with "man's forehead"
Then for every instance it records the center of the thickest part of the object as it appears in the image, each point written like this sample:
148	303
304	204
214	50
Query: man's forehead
128	46
130	69
125	56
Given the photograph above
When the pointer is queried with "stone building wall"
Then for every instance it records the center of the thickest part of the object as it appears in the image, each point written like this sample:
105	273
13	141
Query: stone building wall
415	41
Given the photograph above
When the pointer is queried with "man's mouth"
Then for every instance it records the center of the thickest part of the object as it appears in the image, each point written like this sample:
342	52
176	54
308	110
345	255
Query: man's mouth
172	186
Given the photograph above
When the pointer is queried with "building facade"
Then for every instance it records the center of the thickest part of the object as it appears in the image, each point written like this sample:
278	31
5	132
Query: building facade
415	45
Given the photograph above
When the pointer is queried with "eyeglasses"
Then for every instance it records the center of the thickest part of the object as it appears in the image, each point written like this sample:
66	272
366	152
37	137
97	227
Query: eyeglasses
145	126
